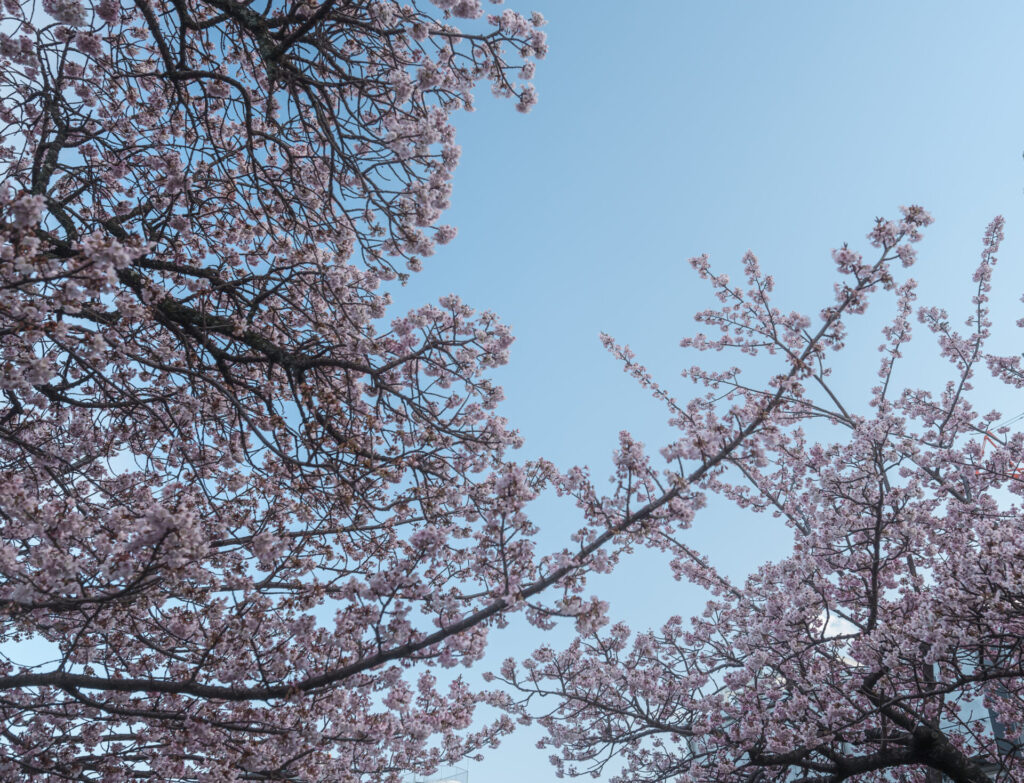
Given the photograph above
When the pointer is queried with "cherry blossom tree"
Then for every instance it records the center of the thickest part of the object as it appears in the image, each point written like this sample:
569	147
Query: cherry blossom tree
887	646
244	507
246	510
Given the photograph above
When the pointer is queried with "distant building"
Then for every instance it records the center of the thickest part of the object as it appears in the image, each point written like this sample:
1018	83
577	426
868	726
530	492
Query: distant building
445	775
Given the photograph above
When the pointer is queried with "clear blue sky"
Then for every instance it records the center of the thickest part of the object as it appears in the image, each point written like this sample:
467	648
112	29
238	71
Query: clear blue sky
667	129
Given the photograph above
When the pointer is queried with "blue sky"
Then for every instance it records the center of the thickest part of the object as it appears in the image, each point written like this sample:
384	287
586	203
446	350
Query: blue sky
668	129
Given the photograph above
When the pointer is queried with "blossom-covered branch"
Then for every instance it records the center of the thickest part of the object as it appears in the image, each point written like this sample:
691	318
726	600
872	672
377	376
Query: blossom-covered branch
882	647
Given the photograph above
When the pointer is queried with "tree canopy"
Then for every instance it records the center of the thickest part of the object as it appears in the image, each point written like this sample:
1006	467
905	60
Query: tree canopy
253	510
887	646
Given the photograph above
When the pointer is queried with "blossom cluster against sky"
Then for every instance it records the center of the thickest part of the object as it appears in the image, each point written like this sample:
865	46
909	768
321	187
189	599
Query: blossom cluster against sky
667	129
